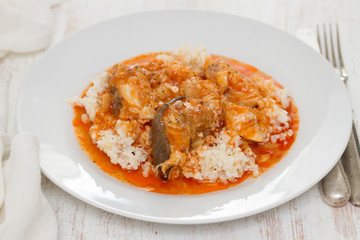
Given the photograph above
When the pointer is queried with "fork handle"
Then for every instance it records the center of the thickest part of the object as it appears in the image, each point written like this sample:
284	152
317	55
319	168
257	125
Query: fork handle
351	161
334	187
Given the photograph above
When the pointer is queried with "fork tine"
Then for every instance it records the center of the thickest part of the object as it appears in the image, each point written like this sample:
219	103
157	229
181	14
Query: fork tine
336	58
341	63
332	49
325	43
318	38
328	49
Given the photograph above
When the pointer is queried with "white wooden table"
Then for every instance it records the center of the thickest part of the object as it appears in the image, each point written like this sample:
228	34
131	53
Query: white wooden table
305	217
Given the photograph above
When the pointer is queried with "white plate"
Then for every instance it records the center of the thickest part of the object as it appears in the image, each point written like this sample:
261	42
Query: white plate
324	108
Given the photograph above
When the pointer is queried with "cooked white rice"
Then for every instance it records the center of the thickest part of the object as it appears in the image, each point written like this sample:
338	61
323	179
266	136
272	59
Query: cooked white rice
91	102
193	58
118	146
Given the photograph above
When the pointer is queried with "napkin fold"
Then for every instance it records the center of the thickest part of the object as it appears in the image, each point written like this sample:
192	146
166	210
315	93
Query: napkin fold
25	25
24	211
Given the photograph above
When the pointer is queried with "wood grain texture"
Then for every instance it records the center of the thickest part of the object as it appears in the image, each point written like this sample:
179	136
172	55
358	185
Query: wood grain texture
305	217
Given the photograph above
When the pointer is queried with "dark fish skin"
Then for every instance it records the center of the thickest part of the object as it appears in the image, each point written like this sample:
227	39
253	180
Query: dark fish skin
159	141
117	105
117	101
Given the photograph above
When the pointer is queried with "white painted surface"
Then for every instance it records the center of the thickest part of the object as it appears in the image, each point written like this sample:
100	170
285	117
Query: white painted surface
305	217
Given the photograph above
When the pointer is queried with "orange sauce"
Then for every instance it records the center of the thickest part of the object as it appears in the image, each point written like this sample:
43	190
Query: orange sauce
179	185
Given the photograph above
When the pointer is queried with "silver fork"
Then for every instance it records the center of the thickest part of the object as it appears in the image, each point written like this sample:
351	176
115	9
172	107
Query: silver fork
339	186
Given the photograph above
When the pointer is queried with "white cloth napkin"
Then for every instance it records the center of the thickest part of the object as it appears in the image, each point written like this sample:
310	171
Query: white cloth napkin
25	25
24	211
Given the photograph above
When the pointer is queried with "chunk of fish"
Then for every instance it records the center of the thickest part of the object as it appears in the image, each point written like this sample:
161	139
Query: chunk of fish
231	82
131	89
208	92
243	120
181	121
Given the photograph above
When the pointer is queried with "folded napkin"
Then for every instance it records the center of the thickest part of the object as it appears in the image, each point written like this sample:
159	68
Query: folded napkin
25	25
24	211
